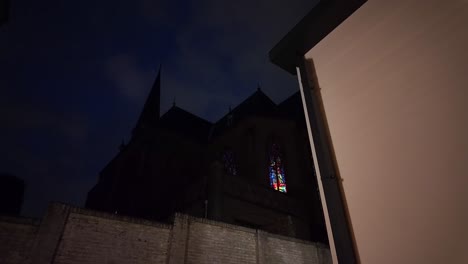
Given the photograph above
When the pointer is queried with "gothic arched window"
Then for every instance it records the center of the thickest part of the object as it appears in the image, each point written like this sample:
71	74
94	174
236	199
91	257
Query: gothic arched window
229	161
276	169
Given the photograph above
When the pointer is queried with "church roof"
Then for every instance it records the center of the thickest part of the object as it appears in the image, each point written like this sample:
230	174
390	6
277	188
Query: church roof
192	126
258	104
150	113
292	106
185	123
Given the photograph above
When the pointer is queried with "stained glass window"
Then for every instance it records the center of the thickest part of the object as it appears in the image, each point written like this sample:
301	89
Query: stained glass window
276	170
229	161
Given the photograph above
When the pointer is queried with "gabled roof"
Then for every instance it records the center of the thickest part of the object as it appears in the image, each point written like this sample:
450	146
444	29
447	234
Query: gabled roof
185	123
292	108
258	104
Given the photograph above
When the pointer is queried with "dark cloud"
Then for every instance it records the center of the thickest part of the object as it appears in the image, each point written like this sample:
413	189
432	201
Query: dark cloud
128	77
220	53
74	76
16	116
163	13
224	47
45	148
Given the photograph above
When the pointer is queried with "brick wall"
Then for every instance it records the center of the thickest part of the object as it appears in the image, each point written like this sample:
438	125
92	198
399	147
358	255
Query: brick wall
276	249
93	239
211	243
71	235
16	239
206	241
49	232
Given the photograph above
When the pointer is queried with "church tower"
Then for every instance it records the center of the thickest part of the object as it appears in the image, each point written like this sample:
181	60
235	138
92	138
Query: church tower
150	114
166	167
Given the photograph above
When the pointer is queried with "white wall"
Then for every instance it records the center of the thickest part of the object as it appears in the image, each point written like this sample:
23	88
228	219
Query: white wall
394	82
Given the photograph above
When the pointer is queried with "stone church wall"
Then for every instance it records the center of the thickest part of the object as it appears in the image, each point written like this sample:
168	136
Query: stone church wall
69	235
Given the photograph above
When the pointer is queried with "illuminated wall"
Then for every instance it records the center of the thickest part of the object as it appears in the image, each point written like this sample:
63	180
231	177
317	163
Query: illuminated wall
394	82
71	235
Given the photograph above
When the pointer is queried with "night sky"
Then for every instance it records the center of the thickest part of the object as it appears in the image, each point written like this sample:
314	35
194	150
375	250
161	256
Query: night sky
74	76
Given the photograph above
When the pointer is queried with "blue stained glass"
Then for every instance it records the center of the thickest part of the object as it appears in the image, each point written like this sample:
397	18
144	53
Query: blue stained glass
277	177
273	181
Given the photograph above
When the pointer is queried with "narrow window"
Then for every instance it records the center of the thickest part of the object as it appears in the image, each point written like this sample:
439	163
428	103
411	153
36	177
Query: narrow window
276	169
229	161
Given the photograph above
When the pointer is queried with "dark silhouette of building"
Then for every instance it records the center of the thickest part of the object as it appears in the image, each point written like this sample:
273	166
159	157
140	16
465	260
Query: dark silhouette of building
4	11
251	168
11	194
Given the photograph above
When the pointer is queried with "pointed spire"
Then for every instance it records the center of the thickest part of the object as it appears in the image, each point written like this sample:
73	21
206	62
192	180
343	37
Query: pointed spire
174	102
151	110
258	87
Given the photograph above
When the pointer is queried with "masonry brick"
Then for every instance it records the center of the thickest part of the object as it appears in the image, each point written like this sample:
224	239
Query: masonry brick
91	239
16	239
218	244
71	235
179	240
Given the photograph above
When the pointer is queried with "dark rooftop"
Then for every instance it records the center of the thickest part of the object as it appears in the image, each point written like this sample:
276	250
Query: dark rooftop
186	123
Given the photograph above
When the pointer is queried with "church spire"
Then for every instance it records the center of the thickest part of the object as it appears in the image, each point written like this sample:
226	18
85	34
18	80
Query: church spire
151	110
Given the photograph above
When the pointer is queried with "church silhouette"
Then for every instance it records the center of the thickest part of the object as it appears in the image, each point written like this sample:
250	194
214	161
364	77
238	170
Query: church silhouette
252	168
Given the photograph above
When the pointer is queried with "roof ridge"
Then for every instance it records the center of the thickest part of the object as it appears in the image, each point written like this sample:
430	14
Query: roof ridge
177	108
290	97
258	92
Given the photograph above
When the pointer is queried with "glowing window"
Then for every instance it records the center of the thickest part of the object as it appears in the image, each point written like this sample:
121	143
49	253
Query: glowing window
276	170
229	162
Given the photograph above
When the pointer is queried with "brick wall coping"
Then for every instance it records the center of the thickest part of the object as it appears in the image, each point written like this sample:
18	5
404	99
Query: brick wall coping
214	223
20	220
293	239
117	217
177	216
246	229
